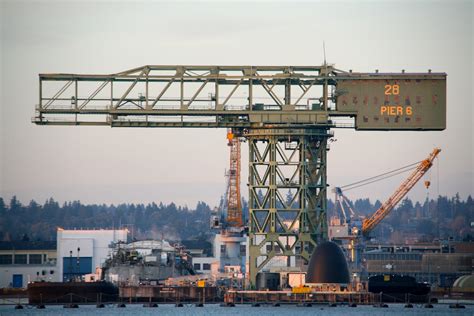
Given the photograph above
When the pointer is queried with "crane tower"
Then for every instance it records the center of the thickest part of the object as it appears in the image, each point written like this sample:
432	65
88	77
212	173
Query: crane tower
234	202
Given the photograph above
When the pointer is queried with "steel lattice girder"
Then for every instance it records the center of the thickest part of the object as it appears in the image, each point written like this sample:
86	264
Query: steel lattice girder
244	97
189	96
286	227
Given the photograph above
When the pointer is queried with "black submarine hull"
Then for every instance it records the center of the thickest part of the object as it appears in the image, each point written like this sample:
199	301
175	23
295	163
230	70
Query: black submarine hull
399	288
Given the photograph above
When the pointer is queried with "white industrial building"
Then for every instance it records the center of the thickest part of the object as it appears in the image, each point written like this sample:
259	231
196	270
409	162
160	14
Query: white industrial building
230	255
22	262
80	252
205	265
230	250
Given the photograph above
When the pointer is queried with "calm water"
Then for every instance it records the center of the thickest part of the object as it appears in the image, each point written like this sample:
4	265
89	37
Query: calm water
394	309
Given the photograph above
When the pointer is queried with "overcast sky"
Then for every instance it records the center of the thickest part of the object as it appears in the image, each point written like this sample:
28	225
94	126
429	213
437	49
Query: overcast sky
113	165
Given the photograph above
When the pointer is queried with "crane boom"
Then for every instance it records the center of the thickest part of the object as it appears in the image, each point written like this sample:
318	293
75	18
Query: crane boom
343	203
370	223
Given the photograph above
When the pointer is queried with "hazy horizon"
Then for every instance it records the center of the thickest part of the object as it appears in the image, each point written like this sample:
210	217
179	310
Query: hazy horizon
127	165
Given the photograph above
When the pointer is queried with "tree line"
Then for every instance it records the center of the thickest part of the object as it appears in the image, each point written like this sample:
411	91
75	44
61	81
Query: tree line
39	222
435	218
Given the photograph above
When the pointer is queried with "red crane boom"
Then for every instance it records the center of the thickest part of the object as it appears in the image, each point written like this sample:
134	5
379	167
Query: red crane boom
369	223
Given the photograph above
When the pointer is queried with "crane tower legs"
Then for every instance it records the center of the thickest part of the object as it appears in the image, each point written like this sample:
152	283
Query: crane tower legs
287	197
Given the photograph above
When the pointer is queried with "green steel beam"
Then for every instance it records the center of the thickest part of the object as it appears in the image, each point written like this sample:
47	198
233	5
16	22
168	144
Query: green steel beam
244	96
287	198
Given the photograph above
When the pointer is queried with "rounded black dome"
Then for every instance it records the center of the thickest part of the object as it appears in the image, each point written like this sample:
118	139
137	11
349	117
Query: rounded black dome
327	265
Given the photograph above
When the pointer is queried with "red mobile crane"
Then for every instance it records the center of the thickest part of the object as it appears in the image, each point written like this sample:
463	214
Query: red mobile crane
370	223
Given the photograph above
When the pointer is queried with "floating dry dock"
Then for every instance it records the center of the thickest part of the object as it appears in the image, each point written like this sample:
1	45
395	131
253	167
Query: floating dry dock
71	292
319	297
150	293
169	294
79	293
287	297
185	294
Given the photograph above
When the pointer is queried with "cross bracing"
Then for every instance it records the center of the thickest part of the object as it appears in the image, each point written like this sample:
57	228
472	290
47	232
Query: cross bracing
287	198
191	96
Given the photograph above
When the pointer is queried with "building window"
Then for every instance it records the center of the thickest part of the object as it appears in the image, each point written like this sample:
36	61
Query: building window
20	259
223	250
197	266
206	266
5	259
35	259
243	249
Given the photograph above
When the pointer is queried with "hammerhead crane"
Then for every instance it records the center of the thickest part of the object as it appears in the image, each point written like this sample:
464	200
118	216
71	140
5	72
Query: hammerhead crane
161	96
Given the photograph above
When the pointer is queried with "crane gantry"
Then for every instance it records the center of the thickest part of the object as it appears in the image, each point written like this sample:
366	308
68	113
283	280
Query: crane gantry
284	112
